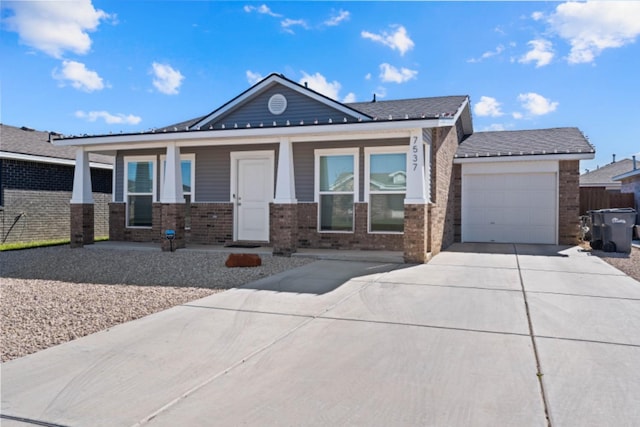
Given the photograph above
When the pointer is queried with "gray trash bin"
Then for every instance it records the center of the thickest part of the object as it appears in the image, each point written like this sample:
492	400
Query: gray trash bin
596	229
617	229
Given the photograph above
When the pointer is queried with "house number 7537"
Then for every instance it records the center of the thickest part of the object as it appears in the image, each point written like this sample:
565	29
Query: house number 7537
414	151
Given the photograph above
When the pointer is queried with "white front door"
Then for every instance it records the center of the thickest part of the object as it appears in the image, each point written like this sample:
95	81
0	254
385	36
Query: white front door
254	192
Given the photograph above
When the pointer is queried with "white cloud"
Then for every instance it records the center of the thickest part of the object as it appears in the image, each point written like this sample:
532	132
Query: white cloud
398	40
166	79
351	97
487	106
381	92
108	118
320	84
541	53
516	115
499	49
343	15
593	26
262	9
536	16
54	27
389	73
287	23
77	74
494	127
253	78
367	76
536	104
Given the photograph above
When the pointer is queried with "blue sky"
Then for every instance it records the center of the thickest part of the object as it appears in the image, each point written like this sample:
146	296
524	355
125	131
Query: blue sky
79	67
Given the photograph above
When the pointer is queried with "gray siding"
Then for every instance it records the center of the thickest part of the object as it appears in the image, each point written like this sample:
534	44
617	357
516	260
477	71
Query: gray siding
212	169
299	107
304	162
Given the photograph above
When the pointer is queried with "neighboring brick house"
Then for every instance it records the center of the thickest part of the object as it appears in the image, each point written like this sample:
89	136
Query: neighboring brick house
284	166
36	180
599	189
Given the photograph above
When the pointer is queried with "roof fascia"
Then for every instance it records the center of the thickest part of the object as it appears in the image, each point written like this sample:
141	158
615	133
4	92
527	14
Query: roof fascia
275	78
467	124
625	175
232	135
518	158
51	160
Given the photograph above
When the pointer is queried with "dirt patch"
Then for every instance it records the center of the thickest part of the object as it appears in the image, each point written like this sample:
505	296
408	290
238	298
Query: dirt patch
628	263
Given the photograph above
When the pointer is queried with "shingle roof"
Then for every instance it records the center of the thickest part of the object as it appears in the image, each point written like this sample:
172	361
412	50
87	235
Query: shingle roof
36	143
525	143
440	106
603	176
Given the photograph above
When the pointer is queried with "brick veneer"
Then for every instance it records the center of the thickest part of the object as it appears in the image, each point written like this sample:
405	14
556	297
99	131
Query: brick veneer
45	215
309	237
81	228
442	213
416	233
569	202
457	217
283	228
211	223
172	219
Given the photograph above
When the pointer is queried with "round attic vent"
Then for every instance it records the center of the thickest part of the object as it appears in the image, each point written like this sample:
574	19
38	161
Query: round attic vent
277	104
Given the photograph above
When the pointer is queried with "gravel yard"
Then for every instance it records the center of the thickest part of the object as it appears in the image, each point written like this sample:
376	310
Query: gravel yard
629	263
52	295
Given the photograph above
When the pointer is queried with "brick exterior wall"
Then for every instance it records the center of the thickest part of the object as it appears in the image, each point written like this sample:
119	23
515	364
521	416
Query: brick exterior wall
457	214
45	215
173	219
309	237
81	224
416	233
211	223
443	196
283	228
569	202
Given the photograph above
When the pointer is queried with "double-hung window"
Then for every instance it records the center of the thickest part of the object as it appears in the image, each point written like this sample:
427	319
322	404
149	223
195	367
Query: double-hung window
336	187
140	189
188	170
386	187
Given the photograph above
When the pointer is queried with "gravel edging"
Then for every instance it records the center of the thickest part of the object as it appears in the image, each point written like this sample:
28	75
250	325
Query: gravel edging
49	296
628	263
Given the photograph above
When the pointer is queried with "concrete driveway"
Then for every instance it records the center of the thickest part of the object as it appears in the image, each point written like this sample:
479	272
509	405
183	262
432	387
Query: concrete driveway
483	335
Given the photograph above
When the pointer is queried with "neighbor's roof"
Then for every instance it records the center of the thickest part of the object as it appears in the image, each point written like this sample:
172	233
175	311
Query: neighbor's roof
603	177
440	106
525	143
36	143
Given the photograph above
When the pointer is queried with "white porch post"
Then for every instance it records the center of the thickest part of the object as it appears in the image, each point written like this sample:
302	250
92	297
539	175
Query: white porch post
172	185
418	171
82	179
285	180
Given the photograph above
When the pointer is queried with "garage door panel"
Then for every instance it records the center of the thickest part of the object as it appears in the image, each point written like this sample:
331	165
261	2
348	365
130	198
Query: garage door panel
510	208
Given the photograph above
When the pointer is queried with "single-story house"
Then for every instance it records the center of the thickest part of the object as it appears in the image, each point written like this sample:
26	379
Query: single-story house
630	183
285	166
599	189
36	180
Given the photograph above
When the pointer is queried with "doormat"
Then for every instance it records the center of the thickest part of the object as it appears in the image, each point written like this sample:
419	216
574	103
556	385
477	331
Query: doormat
242	245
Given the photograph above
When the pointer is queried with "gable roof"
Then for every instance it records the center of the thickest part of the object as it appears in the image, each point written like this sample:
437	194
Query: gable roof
27	144
441	111
603	176
548	142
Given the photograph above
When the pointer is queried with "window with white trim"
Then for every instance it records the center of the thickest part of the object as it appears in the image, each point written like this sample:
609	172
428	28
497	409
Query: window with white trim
386	188
139	189
336	188
188	168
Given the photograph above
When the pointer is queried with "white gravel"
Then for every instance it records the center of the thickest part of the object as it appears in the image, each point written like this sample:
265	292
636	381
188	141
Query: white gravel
52	295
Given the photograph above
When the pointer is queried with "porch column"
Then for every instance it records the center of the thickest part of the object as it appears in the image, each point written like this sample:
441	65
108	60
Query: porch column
172	200
81	203
284	209
416	203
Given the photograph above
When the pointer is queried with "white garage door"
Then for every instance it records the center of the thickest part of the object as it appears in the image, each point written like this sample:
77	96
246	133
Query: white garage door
509	207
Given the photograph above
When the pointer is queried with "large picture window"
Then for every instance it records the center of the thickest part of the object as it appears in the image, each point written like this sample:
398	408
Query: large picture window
140	188
336	188
187	167
386	175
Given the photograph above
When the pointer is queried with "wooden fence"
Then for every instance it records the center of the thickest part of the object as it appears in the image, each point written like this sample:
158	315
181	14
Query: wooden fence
592	198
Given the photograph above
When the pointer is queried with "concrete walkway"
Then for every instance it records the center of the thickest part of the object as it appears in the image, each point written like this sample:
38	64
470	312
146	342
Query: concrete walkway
483	335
